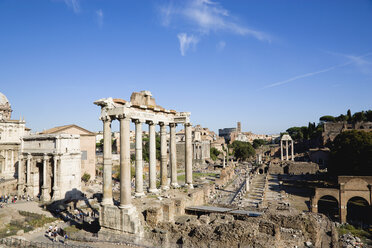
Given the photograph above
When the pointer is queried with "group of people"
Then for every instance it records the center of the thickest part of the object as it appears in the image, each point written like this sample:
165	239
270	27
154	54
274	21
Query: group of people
7	198
54	233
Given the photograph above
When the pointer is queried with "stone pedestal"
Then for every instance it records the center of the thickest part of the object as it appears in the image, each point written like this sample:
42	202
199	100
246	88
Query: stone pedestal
123	219
45	196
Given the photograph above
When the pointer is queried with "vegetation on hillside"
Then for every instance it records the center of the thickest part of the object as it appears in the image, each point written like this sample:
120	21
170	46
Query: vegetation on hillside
214	153
351	154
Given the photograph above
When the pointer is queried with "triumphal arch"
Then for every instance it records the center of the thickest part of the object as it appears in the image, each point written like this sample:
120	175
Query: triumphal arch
140	109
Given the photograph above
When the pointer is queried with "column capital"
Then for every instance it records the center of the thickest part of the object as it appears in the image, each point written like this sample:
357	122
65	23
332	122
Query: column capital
45	157
29	156
106	118
152	122
162	123
57	157
187	124
120	116
173	124
137	121
20	157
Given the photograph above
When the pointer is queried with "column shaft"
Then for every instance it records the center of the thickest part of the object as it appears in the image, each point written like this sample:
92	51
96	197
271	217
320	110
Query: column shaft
163	157
28	174
20	176
286	149
45	194
188	154
173	155
107	163
56	193
281	150
152	158
139	164
125	180
292	151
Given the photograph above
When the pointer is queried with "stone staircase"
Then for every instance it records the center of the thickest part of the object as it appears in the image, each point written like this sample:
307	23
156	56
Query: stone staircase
256	193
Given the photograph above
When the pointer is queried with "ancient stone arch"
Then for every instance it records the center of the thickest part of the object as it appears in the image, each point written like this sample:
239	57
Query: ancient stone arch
348	187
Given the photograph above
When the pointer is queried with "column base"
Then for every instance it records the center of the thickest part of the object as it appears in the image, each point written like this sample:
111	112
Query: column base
21	189
154	191
45	195
175	185
189	185
123	219
107	201
166	187
139	194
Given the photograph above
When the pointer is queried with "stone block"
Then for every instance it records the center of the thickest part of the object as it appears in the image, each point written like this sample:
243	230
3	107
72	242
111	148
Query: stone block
154	215
168	211
179	205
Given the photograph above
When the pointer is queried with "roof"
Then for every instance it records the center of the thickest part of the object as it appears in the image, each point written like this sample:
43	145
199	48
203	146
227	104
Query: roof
62	128
286	137
3	99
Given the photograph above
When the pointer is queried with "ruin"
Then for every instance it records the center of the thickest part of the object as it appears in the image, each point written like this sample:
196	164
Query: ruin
140	109
286	138
348	187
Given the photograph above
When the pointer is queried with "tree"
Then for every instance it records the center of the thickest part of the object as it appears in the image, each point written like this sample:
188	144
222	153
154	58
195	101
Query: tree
214	153
145	148
243	150
359	117
348	115
351	154
258	142
327	118
368	114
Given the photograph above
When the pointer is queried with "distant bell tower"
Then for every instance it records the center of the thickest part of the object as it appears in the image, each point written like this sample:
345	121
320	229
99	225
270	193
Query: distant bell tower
239	127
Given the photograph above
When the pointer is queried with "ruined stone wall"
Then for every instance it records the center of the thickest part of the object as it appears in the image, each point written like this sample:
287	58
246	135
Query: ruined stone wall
302	168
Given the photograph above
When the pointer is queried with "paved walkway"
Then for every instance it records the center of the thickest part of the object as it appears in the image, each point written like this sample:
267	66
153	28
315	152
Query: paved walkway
256	192
28	206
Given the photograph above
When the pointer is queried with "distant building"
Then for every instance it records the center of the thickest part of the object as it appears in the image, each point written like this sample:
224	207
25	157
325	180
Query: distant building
87	146
11	132
226	133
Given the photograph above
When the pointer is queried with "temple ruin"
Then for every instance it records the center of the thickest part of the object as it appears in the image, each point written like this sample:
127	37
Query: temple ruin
140	109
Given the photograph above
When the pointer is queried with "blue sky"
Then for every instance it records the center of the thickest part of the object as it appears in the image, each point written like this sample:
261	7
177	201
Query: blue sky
269	64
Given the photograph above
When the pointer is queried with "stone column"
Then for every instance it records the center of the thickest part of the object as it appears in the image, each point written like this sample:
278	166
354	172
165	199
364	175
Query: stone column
292	151
20	176
107	162
173	155
139	164
11	160
224	162
5	161
28	182
247	183
281	150
286	149
45	194
56	193
163	157
152	158
188	155
125	180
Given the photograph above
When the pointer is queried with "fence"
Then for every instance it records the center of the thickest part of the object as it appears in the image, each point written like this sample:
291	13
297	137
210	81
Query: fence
14	242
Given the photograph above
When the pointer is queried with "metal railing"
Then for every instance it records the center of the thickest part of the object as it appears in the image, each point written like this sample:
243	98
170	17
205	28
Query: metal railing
15	242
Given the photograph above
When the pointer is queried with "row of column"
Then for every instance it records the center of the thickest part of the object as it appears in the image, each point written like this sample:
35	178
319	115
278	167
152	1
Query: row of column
45	194
125	176
286	149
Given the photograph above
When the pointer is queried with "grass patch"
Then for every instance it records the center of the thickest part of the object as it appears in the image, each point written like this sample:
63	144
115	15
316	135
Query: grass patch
30	222
71	229
359	232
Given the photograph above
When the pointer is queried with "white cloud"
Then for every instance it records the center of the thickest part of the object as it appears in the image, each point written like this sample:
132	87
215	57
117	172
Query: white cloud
207	16
74	4
99	14
352	60
186	41
221	45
